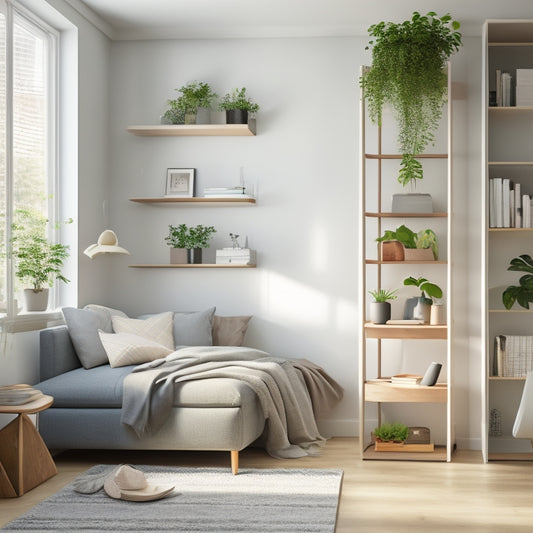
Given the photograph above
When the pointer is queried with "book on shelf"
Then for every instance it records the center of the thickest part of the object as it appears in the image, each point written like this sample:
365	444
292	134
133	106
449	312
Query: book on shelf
524	87
513	355
406	379
504	89
18	394
509	207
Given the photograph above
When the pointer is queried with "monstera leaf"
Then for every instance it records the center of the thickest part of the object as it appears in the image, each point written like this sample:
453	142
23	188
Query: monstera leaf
522	293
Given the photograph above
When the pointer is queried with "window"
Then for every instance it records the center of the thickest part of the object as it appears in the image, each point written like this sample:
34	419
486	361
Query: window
27	135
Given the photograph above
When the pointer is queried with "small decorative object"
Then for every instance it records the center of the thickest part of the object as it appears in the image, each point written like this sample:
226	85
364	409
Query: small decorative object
432	375
495	423
407	72
418	435
380	308
238	106
412	203
235	255
107	244
437	314
421	246
184	109
37	260
420	307
406	379
191	239
522	293
180	182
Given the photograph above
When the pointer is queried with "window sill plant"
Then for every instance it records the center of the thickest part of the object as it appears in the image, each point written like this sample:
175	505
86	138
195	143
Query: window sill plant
186	243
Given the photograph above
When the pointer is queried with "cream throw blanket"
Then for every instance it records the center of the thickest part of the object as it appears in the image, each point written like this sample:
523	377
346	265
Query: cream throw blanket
291	392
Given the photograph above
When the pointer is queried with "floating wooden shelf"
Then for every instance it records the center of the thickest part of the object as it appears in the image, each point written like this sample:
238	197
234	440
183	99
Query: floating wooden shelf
400	331
406	215
384	391
203	265
198	130
197	201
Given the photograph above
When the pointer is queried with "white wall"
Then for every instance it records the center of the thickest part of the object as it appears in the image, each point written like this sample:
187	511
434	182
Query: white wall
303	164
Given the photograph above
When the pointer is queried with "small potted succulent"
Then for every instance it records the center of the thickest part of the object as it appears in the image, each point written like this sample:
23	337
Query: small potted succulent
237	106
380	308
186	243
419	307
193	106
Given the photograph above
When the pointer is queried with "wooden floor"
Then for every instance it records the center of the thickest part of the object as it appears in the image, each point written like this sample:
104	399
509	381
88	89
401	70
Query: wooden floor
376	495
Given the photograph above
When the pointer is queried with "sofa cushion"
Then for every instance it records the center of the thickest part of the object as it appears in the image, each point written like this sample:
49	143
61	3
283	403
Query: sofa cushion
102	387
157	328
229	330
124	349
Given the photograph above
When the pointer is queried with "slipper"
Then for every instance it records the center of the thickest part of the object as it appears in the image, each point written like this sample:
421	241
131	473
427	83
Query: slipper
128	483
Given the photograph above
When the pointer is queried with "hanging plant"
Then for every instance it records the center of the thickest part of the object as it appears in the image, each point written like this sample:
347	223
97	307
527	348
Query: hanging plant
407	72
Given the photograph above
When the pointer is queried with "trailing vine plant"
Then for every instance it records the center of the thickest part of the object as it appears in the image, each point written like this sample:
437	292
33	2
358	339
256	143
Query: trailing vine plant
407	72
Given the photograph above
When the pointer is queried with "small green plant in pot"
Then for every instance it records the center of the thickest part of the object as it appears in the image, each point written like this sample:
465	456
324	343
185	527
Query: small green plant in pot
407	72
186	243
380	308
184	109
392	432
419	308
523	292
238	106
423	240
38	261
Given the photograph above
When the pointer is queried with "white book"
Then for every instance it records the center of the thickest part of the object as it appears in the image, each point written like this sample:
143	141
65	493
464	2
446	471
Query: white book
498	202
526	211
517	207
499	100
492	209
506	191
506	89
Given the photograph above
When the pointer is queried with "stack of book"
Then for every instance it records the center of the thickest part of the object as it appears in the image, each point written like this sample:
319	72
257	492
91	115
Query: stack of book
18	394
503	88
524	87
508	206
226	192
406	379
235	256
513	355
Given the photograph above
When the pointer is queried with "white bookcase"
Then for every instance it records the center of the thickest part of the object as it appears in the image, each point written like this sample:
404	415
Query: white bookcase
507	153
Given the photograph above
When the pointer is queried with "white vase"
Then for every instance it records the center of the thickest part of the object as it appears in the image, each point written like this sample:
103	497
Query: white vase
438	315
35	300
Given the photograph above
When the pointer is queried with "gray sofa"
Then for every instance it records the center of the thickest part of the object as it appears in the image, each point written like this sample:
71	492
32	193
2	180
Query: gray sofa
219	414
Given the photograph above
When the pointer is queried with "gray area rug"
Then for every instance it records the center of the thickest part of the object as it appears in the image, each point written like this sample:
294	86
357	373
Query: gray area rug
204	500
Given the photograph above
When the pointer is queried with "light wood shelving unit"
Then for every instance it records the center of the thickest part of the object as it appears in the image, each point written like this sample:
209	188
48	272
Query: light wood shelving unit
376	391
506	151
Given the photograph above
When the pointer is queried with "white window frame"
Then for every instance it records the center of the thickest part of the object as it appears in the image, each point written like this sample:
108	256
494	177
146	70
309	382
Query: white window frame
12	321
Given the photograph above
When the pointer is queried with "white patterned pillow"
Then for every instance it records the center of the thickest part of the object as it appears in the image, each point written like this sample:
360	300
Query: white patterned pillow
128	349
157	328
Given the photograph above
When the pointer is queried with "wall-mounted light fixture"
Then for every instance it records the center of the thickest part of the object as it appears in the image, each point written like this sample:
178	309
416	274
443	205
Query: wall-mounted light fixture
107	244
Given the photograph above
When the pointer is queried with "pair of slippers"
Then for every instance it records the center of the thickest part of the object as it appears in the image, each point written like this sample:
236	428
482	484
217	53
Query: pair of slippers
124	482
128	483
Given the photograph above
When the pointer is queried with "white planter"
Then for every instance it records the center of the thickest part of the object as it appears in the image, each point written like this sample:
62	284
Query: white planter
438	315
35	300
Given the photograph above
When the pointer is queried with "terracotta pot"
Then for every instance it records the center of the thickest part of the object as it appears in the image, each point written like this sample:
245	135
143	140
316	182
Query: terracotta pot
392	251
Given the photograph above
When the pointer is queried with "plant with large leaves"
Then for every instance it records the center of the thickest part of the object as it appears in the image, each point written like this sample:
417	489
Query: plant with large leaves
522	293
407	72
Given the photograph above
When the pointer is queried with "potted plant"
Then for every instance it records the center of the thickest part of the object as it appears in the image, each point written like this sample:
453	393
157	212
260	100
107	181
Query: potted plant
392	434
37	260
523	292
404	244
407	72
237	106
380	308
419	308
185	108
186	243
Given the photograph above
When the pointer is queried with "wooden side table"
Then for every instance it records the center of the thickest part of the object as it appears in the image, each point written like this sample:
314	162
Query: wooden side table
25	461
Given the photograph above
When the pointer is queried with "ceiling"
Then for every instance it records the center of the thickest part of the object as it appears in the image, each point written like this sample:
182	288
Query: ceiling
170	19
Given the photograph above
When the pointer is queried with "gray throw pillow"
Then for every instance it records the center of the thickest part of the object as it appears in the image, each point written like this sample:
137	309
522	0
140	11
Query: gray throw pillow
83	326
194	329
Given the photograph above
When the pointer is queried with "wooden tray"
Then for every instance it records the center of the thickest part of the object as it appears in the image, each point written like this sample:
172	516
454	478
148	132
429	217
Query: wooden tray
402	447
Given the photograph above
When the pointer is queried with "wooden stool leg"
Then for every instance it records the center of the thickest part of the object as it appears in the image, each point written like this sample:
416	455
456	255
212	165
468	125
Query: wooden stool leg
234	461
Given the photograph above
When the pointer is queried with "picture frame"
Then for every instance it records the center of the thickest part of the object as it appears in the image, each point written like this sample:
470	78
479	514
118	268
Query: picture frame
180	182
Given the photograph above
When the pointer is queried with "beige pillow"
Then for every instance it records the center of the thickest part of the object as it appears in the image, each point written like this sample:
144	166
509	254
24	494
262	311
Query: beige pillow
128	349
157	328
229	330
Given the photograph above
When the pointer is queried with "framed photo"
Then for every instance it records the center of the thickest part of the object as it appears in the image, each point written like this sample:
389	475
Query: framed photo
180	182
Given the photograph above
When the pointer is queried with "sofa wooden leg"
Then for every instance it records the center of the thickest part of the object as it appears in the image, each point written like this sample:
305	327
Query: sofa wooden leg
234	461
